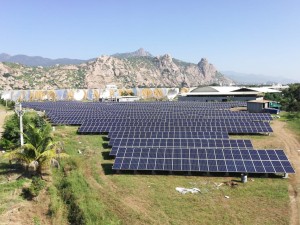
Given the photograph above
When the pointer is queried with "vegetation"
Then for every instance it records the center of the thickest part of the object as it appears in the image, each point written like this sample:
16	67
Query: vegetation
127	93
11	136
34	189
293	120
7	103
39	149
289	98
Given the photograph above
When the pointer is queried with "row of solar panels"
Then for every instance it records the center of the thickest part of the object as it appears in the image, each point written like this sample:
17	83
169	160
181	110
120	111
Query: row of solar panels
203	160
78	121
169	134
108	111
63	104
179	143
231	130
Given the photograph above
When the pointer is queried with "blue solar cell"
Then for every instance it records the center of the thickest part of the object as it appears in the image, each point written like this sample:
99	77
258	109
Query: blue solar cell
260	169
289	169
142	166
269	169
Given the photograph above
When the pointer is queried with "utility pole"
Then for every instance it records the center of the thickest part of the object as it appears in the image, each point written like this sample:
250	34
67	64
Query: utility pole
20	112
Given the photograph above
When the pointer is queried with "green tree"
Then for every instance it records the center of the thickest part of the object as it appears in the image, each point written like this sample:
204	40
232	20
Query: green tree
291	98
273	96
39	150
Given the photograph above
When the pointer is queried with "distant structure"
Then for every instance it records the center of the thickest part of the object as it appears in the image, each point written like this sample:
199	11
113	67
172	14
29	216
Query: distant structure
111	94
279	87
260	106
128	99
108	95
225	94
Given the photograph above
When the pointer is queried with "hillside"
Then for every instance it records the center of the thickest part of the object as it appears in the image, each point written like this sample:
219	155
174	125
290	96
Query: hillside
248	79
123	70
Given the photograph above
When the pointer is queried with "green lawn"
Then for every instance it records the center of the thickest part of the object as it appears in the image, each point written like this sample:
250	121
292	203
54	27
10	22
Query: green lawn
86	191
293	120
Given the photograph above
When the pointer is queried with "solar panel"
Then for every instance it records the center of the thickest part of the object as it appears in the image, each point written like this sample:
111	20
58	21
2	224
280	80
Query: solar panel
179	136
201	160
179	143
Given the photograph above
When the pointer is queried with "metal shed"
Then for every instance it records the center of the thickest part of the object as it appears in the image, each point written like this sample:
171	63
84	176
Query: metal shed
257	106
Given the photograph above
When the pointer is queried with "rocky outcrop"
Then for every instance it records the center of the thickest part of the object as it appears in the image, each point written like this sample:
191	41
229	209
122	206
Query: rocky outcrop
134	71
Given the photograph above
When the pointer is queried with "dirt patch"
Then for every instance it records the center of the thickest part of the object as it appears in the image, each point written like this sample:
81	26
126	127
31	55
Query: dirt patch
291	146
27	212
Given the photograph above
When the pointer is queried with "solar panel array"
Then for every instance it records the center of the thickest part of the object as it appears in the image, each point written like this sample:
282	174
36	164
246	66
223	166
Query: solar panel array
204	160
174	136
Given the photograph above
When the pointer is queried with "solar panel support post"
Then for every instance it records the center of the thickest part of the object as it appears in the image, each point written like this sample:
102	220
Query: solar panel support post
189	173
135	172
226	174
118	171
170	172
244	178
285	175
153	172
208	174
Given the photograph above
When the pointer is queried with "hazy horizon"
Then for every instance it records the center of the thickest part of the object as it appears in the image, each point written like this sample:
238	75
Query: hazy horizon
249	37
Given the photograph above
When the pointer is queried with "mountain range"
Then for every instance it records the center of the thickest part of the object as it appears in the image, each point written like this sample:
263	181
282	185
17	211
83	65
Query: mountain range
248	79
135	69
237	77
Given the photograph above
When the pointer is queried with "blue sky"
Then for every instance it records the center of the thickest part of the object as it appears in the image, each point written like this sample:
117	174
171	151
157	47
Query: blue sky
257	36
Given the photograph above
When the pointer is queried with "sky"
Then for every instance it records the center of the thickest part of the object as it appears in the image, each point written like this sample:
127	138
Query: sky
259	37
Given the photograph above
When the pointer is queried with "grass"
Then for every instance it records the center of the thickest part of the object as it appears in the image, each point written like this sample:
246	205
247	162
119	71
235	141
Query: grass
10	188
293	120
87	192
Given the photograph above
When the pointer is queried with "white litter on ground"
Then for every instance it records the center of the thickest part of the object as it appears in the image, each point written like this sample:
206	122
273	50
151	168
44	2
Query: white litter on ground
226	196
187	190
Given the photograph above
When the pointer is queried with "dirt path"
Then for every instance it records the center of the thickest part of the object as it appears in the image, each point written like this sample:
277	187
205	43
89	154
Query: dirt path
292	148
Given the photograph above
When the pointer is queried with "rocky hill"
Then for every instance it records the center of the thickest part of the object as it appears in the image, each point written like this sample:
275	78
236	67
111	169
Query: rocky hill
137	53
124	71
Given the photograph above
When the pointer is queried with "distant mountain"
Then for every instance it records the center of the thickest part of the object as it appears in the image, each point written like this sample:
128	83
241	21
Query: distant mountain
245	78
38	60
41	61
138	53
137	69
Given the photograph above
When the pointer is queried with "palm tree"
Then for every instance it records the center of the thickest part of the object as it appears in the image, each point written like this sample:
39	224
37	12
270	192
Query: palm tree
39	150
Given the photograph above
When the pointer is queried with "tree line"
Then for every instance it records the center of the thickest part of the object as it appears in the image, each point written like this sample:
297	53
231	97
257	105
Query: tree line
289	98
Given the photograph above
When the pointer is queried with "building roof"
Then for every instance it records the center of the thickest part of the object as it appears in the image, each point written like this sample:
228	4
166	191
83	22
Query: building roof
259	101
228	90
220	90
